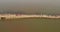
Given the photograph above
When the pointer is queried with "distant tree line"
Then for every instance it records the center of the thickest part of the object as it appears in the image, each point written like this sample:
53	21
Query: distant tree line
38	11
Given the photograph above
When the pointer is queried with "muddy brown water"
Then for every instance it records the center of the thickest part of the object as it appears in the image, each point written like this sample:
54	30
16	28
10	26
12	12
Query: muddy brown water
30	25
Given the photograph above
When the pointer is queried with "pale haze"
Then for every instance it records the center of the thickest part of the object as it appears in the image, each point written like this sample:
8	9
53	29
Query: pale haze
31	6
18	2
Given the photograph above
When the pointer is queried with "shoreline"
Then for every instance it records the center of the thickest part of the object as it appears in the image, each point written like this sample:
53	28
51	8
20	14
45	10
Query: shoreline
12	16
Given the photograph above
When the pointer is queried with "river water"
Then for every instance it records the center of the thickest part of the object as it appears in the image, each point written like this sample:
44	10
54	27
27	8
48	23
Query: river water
30	25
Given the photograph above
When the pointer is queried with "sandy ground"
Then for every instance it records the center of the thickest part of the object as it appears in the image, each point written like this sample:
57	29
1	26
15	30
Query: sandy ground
25	16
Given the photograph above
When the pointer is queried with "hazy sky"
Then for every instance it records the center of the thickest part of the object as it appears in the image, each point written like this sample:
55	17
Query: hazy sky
30	1
4	3
28	4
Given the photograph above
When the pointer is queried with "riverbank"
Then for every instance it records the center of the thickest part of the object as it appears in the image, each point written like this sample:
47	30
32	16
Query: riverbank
12	16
